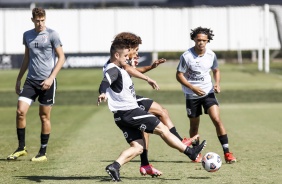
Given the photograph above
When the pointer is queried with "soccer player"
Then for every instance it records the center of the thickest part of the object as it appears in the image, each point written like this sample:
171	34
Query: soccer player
117	87
41	44
148	104
193	73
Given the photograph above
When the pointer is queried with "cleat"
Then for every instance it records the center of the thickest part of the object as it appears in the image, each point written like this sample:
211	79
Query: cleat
197	150
190	141
39	158
18	153
114	173
229	158
150	170
198	159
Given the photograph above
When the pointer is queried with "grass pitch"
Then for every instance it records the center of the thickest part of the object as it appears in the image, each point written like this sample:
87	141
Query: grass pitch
84	138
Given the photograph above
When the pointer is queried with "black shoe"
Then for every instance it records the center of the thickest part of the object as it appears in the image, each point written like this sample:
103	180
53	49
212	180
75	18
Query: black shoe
113	172
197	150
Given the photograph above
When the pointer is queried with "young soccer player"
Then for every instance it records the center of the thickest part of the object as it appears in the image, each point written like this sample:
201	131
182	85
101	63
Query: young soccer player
148	104
117	87
41	44
193	73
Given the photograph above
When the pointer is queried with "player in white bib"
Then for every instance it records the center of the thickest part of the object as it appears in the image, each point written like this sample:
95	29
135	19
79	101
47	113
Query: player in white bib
148	104
117	87
193	73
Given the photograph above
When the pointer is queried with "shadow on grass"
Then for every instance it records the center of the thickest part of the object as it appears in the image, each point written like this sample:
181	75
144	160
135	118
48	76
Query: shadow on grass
163	161
78	178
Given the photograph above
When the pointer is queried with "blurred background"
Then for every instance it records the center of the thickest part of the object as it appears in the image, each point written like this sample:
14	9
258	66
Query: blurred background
245	31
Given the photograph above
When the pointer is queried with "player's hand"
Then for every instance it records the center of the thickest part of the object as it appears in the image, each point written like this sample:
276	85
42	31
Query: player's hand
153	83
46	84
18	87
101	97
157	62
198	91
135	61
216	88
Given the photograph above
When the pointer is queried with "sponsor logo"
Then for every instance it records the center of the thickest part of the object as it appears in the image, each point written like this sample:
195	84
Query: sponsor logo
49	100
188	111
44	38
125	134
142	128
142	107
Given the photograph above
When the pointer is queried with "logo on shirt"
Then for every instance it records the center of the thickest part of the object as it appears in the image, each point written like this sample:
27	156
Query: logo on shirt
44	38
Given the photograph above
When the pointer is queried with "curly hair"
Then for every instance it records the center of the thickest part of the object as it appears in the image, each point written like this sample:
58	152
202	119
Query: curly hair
38	12
131	39
201	30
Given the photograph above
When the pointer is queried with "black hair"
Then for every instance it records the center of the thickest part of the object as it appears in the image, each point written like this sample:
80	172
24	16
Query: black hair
201	30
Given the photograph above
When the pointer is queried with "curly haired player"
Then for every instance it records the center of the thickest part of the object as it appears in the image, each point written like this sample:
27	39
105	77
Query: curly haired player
193	73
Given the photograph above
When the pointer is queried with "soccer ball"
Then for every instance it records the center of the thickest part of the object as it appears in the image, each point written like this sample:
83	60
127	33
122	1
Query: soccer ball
211	162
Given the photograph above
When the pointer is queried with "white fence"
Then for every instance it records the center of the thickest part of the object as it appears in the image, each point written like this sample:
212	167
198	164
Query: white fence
161	29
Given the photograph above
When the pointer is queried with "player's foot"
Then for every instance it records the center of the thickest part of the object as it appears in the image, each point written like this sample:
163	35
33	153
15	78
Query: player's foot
229	158
18	153
150	170
197	150
190	141
39	158
114	173
198	159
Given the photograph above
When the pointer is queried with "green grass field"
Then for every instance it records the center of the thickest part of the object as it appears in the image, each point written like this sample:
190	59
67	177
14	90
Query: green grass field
84	138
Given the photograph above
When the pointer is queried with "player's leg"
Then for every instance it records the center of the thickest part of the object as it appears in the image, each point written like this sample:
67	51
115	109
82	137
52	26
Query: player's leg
46	99
174	142
22	109
212	108
194	110
163	115
146	167
134	138
45	115
27	96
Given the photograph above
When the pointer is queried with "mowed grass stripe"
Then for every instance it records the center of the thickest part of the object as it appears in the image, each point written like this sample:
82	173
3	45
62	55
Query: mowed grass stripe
170	97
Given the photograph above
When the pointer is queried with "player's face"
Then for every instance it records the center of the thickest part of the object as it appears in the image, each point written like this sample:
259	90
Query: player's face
39	23
123	56
201	41
133	52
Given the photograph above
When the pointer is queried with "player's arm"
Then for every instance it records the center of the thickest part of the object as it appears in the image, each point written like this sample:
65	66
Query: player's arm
156	63
181	69
22	70
110	76
61	60
133	72
216	76
182	80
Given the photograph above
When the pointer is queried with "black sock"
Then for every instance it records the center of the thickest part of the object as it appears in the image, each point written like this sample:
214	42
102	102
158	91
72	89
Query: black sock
223	139
144	158
44	142
21	137
174	132
116	165
197	143
188	151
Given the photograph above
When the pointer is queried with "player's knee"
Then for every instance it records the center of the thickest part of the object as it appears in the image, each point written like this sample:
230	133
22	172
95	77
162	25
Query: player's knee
20	114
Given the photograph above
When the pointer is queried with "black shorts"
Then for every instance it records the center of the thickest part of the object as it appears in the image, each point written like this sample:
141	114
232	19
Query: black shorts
144	103
32	90
134	122
194	106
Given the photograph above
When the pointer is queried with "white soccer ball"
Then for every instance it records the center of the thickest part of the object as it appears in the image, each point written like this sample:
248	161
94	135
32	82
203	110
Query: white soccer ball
211	162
